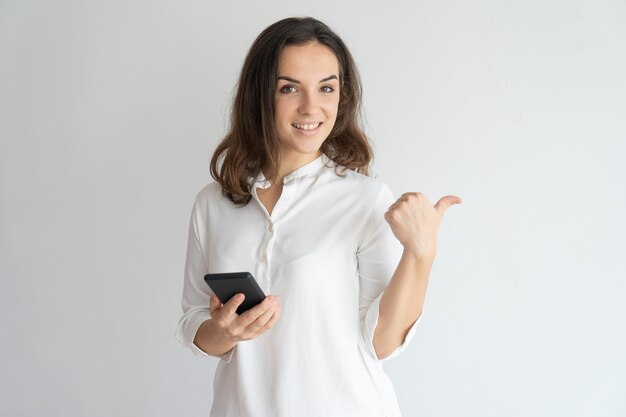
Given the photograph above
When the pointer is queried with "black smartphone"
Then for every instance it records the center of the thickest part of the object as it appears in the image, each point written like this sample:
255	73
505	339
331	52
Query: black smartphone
228	284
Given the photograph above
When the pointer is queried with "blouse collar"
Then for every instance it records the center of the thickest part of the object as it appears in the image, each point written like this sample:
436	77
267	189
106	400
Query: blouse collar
310	168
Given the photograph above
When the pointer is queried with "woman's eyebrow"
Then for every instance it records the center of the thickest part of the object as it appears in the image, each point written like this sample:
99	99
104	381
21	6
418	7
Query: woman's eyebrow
284	77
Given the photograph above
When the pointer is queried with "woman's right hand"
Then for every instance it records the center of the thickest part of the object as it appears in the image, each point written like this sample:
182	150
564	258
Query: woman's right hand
226	328
229	326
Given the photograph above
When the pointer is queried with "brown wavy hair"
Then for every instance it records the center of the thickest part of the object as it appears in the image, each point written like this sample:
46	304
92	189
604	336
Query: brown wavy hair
251	146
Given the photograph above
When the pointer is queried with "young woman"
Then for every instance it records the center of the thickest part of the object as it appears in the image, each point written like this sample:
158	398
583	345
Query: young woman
344	266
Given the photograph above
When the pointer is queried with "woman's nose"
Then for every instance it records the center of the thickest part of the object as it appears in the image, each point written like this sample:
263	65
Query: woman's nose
309	103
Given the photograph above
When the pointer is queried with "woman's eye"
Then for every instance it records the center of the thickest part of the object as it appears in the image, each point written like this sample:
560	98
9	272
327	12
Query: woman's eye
288	89
327	89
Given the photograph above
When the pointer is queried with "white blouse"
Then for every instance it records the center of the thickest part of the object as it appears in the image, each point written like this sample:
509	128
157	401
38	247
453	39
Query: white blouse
328	253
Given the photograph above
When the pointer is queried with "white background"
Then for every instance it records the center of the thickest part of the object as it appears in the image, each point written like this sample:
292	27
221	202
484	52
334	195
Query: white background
109	113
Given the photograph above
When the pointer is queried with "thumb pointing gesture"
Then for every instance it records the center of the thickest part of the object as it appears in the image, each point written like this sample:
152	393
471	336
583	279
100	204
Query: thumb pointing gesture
445	202
415	221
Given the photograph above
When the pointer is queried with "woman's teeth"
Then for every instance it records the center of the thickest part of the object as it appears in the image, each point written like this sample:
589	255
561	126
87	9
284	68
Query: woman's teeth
306	127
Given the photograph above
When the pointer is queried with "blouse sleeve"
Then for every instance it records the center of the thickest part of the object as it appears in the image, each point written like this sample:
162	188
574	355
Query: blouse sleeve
196	294
378	256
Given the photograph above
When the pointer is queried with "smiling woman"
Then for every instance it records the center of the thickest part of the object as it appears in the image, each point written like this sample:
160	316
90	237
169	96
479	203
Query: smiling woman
287	62
343	264
307	98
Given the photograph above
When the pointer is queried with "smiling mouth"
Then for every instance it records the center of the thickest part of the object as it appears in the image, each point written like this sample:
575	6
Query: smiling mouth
312	126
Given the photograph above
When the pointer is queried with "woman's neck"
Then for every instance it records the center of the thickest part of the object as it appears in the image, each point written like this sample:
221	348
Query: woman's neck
291	163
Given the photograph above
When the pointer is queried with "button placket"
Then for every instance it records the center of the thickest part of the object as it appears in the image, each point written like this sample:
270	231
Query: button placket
264	258
261	272
270	247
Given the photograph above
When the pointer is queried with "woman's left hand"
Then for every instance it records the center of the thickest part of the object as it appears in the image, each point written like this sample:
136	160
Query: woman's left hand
415	221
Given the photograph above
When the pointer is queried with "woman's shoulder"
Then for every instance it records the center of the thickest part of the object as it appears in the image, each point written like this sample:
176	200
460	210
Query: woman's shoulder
209	191
368	186
209	195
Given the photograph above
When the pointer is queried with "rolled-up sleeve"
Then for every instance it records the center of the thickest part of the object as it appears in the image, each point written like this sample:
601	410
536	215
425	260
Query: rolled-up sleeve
196	293
378	256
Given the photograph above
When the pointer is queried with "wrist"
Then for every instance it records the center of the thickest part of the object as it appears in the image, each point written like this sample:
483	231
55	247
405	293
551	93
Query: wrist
420	255
210	340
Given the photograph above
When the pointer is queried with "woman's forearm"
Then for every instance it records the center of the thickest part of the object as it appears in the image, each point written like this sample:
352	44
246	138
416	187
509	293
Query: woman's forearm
209	341
402	302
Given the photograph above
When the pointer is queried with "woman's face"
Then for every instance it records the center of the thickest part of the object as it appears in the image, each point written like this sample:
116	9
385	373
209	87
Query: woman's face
306	100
